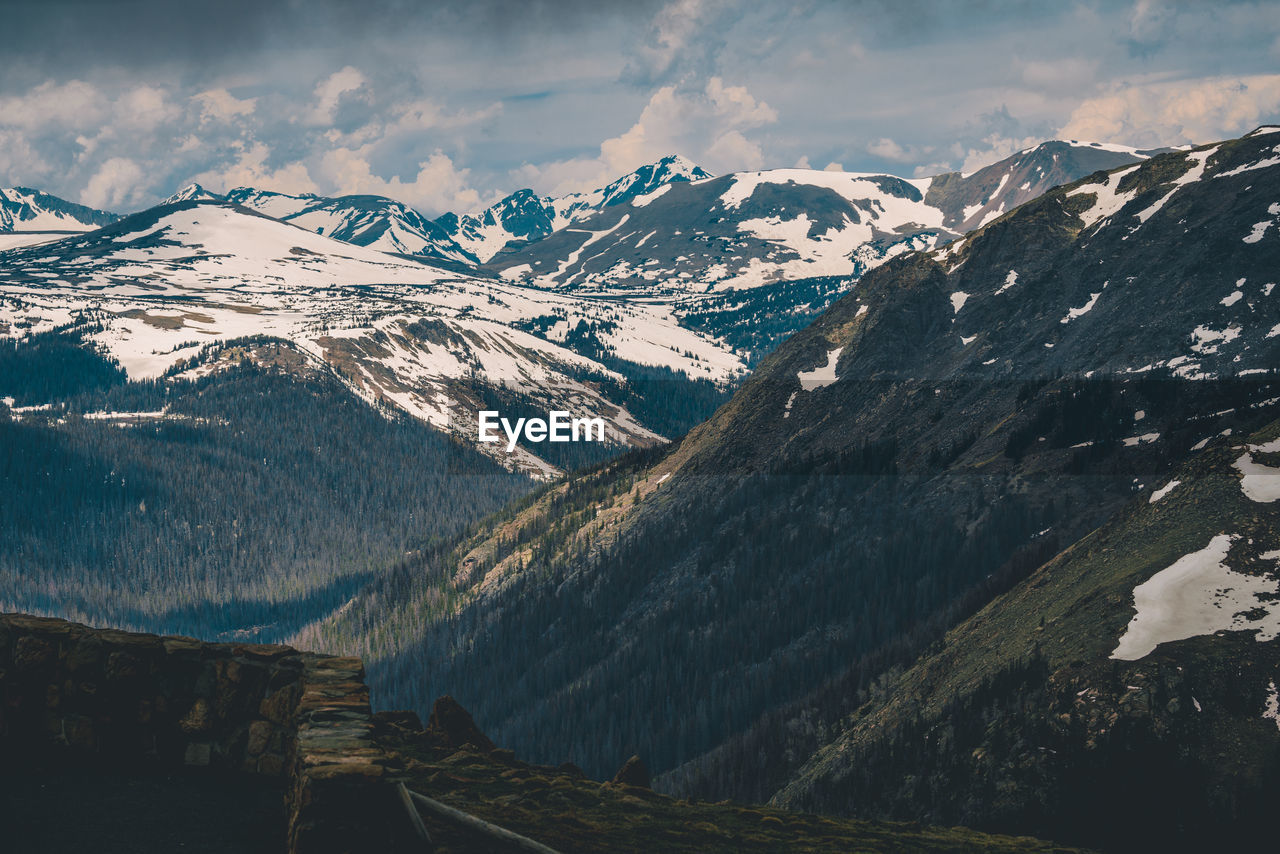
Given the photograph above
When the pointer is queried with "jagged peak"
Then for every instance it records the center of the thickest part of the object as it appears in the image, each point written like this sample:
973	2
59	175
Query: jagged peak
679	164
192	192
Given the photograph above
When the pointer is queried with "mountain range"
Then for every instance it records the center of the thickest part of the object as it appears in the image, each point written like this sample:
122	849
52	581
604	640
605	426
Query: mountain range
170	283
740	606
947	499
599	330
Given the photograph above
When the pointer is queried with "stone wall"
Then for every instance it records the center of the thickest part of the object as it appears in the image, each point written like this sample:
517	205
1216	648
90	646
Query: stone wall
244	708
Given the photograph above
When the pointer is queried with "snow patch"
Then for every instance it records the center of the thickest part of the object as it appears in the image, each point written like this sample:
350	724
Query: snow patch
1108	199
1073	313
1258	482
786	413
1163	491
822	376
1271	711
1197	595
642	201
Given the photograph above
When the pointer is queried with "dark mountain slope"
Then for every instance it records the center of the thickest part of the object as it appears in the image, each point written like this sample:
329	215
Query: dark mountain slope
1059	709
917	448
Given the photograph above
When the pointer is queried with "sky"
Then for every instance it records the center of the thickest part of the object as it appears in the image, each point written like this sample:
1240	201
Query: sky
450	106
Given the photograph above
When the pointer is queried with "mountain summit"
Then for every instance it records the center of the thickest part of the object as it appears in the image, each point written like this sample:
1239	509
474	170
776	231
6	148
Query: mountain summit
25	209
192	193
525	217
375	222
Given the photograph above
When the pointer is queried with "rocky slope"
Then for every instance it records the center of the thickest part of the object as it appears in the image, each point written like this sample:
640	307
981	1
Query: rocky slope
1124	695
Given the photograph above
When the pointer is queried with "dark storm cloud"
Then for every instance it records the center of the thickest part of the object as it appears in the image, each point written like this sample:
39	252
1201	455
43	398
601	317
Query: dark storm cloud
44	37
447	105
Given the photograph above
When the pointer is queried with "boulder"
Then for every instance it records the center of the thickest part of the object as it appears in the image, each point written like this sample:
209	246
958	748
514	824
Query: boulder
632	773
451	726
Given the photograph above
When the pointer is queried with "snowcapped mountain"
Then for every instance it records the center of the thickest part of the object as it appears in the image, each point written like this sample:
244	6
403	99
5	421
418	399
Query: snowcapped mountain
754	256
192	193
749	229
525	217
29	216
376	222
972	200
169	281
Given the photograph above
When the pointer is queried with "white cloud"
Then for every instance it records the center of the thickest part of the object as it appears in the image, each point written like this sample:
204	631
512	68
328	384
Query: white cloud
438	185
1150	21
732	147
329	93
118	181
74	104
888	149
142	109
928	170
19	162
738	106
833	167
426	114
221	106
250	169
675	36
1174	112
996	147
705	124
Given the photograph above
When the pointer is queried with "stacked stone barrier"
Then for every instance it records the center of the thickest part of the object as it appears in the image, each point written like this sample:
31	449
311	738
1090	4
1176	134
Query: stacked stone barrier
263	710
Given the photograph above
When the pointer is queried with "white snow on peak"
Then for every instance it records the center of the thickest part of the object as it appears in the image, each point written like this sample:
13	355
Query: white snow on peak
958	299
1264	163
27	203
1163	491
1105	146
191	192
1197	595
403	332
